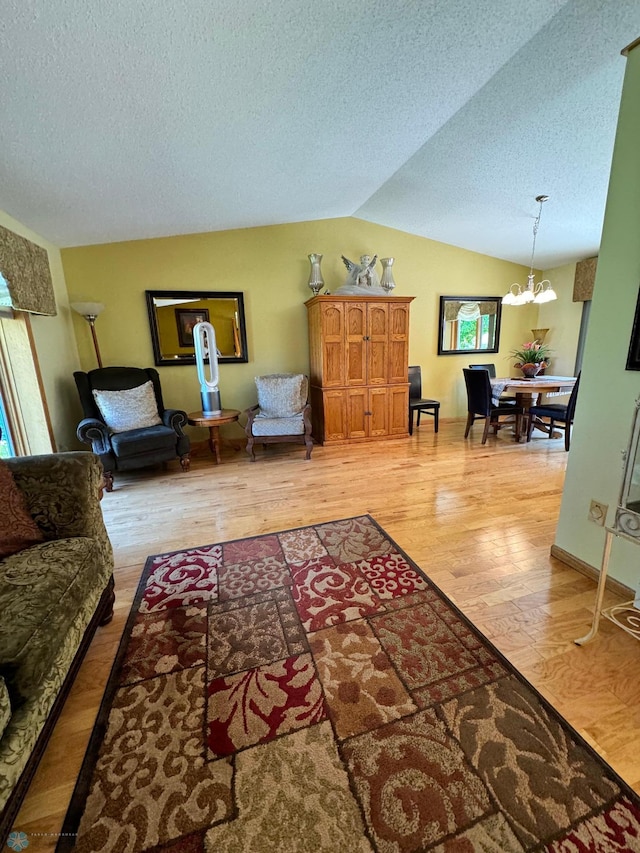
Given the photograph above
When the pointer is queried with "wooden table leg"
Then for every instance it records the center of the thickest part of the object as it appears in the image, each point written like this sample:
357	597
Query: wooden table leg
214	442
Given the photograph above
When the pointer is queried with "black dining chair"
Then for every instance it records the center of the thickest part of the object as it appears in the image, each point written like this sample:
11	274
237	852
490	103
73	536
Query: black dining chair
560	415
480	405
418	403
491	369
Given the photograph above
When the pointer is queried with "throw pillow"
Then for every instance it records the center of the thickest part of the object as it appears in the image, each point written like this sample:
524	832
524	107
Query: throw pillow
18	530
133	408
281	395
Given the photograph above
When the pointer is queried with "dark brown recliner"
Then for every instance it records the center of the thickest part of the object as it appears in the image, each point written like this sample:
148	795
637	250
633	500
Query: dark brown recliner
132	448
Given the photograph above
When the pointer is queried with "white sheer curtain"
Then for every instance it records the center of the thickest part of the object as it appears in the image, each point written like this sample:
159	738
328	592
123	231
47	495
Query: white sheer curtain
469	311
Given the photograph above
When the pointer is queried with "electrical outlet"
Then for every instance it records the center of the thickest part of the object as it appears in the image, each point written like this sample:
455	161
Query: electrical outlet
598	512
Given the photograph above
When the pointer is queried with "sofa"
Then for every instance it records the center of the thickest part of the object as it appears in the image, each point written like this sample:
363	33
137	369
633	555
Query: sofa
54	592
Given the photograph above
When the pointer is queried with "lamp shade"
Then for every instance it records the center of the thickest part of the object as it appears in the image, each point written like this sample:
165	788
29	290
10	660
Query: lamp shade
88	309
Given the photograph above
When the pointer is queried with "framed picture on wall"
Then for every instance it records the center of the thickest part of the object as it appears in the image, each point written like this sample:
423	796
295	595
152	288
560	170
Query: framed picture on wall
633	359
186	319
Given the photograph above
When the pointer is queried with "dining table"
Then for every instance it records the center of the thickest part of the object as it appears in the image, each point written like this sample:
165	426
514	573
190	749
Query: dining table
527	390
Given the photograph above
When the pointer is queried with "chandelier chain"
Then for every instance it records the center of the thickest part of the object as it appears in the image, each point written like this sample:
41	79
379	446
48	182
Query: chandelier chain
536	225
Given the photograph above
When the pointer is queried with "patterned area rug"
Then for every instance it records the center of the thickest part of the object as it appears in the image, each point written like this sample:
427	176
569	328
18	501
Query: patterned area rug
312	690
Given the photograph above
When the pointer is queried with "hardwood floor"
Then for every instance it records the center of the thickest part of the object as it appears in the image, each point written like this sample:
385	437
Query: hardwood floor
478	520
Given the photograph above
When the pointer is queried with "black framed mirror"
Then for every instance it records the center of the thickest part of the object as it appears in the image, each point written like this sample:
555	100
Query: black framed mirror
174	313
469	324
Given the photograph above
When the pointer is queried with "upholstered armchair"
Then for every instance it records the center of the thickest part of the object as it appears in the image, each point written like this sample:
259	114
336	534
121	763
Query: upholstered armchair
125	420
282	414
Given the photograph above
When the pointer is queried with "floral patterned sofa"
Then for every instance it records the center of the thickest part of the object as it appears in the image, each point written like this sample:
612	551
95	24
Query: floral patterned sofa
54	592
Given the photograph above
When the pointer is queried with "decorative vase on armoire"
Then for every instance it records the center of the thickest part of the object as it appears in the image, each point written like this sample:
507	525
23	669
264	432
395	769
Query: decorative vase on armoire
387	281
316	282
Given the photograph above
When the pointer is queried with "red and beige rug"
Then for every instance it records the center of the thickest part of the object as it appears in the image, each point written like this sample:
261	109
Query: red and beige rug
312	690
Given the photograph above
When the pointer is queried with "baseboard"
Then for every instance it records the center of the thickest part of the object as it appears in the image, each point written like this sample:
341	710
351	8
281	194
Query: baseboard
586	569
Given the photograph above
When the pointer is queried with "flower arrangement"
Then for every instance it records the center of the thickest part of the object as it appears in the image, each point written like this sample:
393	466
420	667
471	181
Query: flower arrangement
532	353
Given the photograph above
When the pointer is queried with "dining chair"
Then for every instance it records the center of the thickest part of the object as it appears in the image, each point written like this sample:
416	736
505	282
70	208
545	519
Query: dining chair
491	369
418	403
560	415
480	405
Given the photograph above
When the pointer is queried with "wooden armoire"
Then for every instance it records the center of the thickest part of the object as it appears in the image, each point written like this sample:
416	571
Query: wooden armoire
358	353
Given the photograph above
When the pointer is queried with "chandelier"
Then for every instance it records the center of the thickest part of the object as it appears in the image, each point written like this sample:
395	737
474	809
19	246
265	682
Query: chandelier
532	292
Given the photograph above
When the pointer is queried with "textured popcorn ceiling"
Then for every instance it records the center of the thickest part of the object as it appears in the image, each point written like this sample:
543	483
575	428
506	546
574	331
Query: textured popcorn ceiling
445	118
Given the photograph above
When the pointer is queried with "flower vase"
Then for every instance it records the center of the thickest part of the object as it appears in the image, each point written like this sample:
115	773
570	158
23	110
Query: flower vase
316	282
386	280
530	370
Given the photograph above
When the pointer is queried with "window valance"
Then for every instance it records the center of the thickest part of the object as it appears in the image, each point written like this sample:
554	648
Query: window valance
464	310
25	277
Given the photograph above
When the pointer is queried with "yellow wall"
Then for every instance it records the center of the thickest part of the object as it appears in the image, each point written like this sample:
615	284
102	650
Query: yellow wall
57	357
271	267
562	318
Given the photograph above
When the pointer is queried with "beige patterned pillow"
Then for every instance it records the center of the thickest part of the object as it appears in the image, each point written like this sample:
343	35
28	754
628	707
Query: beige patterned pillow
18	530
281	395
133	408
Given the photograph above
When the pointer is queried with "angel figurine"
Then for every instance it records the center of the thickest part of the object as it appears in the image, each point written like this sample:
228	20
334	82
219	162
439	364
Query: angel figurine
362	275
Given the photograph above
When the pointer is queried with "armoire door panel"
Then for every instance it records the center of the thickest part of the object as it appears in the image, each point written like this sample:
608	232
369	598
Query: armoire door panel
333	321
355	342
333	345
398	360
335	416
399	320
357	417
356	367
378	320
334	367
379	409
356	320
377	362
399	410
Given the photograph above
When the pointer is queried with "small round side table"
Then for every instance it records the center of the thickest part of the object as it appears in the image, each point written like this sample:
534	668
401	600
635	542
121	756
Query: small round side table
213	423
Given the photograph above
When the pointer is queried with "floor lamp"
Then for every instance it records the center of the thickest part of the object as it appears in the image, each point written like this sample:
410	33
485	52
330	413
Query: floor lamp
90	312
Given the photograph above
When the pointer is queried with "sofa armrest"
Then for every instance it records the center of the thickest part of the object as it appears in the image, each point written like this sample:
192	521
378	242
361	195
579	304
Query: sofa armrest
251	415
63	492
96	433
306	417
175	419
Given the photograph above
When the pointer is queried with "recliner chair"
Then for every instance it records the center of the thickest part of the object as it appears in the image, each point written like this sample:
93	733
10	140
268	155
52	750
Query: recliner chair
125	420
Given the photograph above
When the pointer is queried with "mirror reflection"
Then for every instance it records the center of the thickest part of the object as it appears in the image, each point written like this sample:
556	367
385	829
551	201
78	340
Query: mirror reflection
469	324
174	313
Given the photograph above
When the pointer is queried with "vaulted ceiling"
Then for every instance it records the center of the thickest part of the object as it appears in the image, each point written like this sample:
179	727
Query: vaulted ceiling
443	118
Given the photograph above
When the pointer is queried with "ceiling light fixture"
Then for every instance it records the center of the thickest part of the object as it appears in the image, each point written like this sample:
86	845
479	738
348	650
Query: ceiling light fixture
541	292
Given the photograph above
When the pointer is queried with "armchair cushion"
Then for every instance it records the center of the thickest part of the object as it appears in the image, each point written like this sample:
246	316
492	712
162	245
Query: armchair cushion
131	408
281	395
144	440
18	530
278	426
